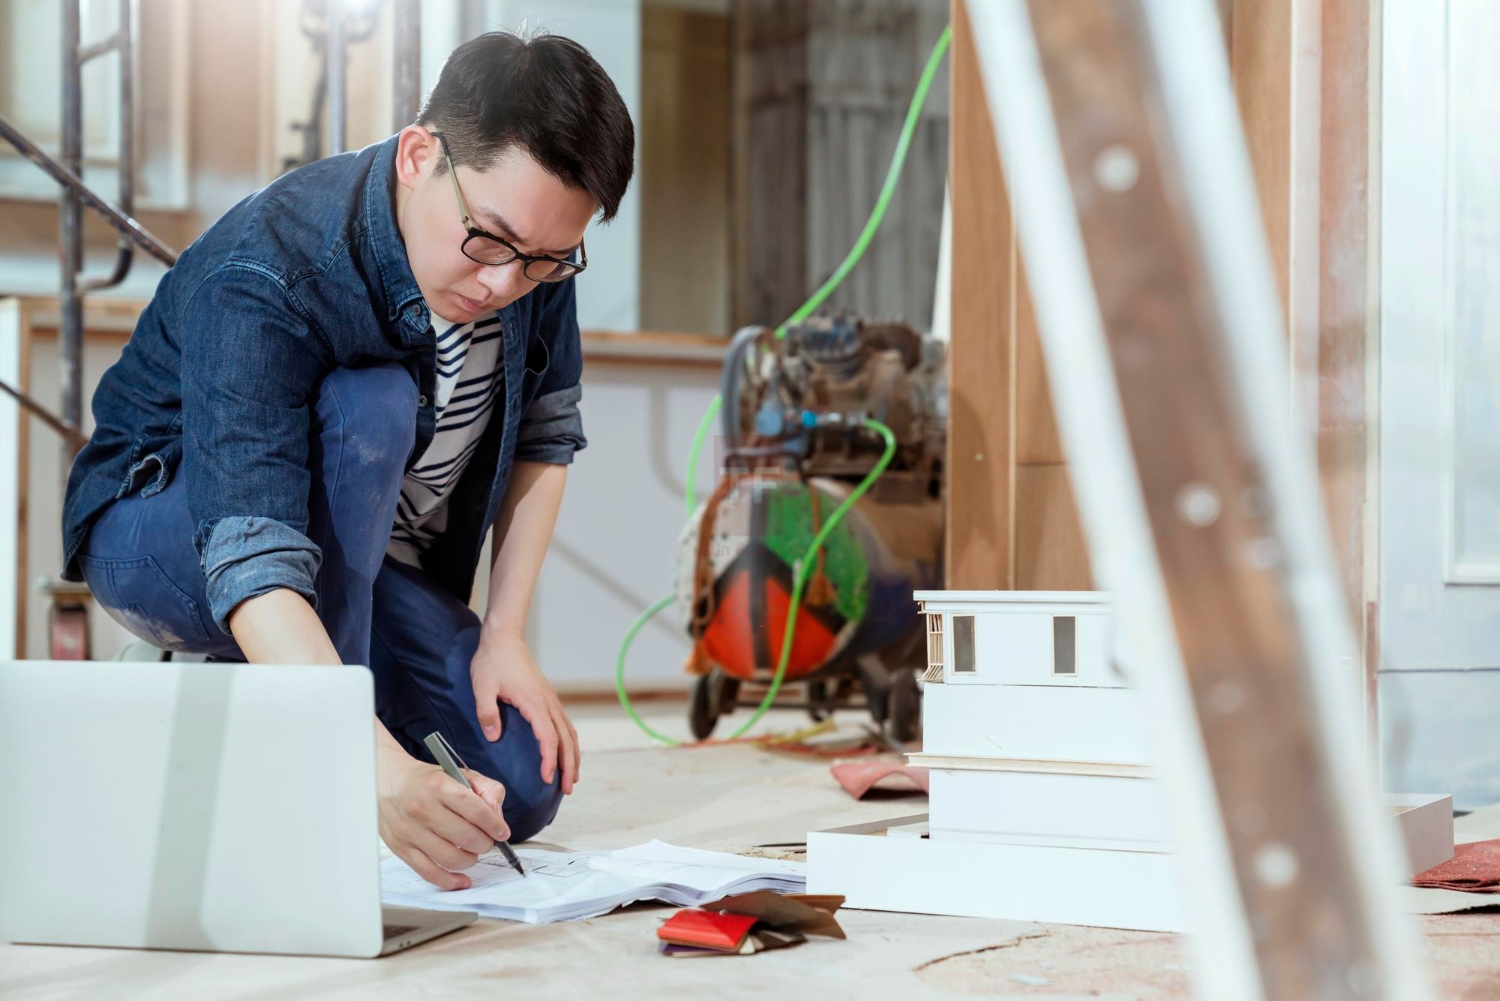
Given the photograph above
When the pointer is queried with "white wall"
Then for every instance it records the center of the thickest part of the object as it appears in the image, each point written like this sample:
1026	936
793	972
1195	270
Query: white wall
1439	614
609	291
616	538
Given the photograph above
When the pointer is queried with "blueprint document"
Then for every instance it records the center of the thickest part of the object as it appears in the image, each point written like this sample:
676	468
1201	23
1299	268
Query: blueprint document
562	886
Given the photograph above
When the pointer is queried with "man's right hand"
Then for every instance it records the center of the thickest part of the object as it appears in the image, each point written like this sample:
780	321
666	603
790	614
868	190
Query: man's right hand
433	823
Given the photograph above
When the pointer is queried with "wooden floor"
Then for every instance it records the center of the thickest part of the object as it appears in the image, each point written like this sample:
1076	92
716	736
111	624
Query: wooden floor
723	797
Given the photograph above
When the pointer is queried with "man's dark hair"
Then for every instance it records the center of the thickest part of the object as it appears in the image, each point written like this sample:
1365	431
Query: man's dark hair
544	95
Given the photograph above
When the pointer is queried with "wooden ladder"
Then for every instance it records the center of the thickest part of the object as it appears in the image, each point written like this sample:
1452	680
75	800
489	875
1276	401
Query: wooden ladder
1137	218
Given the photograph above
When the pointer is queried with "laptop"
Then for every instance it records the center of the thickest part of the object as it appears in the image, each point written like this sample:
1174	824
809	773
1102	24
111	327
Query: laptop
216	807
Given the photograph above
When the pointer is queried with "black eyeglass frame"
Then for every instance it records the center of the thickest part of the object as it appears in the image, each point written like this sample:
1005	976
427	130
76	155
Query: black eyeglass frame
527	260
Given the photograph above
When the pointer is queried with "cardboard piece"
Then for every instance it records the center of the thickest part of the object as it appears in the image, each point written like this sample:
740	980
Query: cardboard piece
804	913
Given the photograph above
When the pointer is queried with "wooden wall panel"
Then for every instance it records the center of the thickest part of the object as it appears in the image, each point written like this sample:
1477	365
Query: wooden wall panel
1346	319
769	153
1037	437
684	161
980	550
1302	74
1051	552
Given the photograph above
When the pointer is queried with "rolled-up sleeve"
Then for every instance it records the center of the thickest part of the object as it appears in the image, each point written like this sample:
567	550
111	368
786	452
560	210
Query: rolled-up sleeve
551	428
250	361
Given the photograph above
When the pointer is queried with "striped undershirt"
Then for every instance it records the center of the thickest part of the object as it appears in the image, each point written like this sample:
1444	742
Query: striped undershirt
470	375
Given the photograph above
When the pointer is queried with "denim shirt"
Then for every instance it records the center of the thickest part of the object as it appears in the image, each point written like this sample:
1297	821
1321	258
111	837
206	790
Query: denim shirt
217	380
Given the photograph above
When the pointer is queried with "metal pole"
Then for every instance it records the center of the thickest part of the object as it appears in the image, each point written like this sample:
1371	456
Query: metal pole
70	237
337	79
124	44
406	70
70	181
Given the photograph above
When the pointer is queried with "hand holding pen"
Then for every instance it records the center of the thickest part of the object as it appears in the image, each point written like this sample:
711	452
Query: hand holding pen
448	758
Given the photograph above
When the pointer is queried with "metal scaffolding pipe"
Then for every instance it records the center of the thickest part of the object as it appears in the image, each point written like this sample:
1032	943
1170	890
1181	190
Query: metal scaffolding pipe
406	63
123	42
71	181
337	74
70	235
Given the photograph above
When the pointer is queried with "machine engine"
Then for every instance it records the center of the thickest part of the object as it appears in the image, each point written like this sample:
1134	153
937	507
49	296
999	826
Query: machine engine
793	447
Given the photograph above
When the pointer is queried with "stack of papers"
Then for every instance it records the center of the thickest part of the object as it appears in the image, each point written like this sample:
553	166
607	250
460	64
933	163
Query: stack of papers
561	886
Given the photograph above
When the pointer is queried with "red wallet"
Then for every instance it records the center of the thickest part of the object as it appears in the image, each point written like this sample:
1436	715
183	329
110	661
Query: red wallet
707	929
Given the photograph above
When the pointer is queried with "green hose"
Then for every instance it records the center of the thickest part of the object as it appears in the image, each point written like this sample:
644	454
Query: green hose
802	569
800	573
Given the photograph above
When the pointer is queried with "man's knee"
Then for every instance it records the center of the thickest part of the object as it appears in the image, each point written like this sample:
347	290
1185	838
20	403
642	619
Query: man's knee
516	762
373	412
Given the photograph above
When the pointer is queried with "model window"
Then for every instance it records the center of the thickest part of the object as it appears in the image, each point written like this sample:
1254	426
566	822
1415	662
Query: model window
1064	647
934	647
963	644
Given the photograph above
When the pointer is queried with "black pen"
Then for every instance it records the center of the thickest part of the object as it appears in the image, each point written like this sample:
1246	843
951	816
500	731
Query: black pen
454	766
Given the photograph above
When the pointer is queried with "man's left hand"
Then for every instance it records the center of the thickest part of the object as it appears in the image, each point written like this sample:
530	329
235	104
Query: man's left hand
504	671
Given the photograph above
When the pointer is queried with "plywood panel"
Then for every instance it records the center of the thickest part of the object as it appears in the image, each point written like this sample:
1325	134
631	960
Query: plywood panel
684	139
980	546
866	58
769	156
1347	321
1037	439
1051	552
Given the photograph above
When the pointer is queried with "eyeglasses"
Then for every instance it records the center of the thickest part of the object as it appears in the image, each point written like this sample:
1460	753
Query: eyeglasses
488	249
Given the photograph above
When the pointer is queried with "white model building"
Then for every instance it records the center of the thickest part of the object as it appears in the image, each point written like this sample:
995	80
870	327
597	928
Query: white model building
1044	805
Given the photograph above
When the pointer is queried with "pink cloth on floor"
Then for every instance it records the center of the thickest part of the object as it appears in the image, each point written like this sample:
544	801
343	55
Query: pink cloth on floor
859	777
1474	868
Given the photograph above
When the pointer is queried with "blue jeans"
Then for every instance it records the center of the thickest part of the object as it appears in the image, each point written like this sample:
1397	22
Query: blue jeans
418	639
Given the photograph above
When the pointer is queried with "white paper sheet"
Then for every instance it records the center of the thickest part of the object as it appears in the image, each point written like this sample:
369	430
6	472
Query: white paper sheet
561	886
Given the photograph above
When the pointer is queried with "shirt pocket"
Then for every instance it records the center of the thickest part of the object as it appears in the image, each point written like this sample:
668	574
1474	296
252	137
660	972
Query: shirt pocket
538	360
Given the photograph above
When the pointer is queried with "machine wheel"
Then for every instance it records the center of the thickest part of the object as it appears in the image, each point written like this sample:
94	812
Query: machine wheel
874	679
701	714
905	701
820	703
724	693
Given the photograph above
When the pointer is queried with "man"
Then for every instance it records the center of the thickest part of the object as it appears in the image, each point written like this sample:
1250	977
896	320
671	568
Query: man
331	398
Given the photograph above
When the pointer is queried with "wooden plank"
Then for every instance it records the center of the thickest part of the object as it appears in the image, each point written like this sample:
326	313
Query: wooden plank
979	763
1260	53
1037	440
868	55
1216	487
1346	315
684	142
980	546
1275	57
768	159
1302	74
1052	553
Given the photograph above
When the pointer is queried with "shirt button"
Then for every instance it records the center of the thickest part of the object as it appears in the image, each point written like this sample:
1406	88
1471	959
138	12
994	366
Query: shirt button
421	401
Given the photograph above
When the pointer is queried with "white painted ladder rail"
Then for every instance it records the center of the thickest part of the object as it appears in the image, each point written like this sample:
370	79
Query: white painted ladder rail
1136	215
